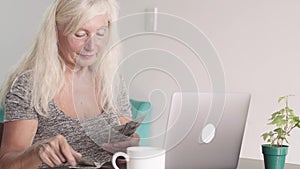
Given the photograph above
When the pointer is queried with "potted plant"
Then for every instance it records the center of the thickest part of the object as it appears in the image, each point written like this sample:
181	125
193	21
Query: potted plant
284	121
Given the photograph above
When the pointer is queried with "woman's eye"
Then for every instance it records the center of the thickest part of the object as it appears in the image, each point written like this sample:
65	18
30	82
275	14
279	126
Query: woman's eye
80	34
101	32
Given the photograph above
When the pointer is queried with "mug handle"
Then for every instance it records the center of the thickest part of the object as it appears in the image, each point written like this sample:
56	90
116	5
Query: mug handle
115	156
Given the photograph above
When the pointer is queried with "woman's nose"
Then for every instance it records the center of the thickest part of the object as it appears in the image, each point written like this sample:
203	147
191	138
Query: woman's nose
90	44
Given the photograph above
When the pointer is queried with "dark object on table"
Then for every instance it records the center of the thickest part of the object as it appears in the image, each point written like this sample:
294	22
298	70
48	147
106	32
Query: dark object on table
108	165
84	162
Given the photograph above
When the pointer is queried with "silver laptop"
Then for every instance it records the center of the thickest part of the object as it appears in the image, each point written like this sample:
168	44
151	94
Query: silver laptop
205	130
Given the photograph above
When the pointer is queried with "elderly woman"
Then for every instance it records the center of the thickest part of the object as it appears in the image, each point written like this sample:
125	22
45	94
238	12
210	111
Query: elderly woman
66	91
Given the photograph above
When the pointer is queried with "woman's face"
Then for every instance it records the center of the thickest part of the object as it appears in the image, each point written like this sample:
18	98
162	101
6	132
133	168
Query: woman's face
83	48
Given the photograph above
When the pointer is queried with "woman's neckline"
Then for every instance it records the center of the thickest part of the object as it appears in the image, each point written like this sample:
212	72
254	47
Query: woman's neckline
72	118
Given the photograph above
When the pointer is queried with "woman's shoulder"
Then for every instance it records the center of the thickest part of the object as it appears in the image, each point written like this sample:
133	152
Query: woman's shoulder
26	76
23	81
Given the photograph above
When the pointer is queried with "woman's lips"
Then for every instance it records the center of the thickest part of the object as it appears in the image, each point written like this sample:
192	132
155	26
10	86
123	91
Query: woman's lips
87	56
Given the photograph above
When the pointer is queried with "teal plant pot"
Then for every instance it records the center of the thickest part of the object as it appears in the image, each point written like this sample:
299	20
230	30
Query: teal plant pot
1	114
274	157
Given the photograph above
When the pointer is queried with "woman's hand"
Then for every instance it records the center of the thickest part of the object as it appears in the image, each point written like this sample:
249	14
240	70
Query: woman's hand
122	146
55	151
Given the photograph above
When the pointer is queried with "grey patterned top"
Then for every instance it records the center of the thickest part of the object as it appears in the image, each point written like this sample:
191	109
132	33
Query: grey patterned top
17	107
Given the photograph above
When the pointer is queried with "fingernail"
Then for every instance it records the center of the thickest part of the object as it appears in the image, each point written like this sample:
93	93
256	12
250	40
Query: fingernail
73	163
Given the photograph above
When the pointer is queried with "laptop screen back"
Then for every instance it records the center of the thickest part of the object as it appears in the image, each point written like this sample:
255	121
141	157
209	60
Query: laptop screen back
205	130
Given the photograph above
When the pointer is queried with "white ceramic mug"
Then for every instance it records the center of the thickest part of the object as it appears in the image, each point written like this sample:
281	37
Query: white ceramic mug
142	158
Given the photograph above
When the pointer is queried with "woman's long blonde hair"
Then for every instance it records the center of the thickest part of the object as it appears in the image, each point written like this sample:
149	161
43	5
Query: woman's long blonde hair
47	66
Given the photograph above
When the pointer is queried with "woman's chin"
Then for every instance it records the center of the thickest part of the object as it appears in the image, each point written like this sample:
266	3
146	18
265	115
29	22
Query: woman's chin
86	61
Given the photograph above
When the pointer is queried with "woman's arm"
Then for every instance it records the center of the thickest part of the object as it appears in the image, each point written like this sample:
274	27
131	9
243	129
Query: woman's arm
17	151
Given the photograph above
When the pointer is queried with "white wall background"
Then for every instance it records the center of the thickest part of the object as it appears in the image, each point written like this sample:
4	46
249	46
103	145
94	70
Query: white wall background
257	42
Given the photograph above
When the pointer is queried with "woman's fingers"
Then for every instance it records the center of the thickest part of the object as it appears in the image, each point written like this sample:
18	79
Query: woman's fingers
75	153
44	154
68	152
56	151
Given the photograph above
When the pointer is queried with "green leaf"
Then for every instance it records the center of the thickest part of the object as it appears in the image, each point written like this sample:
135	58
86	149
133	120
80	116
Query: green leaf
279	131
290	110
281	111
281	98
282	123
269	140
296	118
278	120
274	115
284	97
265	136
